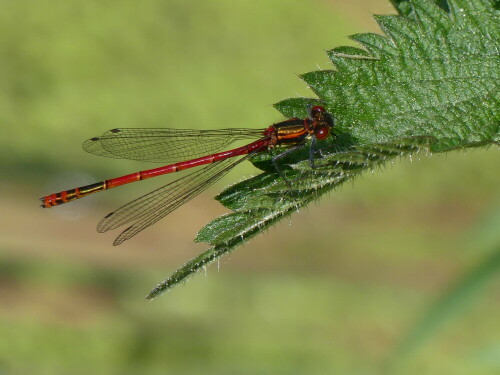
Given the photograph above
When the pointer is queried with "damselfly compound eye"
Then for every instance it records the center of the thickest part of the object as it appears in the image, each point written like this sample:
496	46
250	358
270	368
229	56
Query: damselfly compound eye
322	133
317	112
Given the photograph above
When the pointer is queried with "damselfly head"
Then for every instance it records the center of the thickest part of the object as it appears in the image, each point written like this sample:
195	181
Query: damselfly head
317	109
321	117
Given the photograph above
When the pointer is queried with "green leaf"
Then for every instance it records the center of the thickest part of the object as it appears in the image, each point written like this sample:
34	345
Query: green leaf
404	7
430	83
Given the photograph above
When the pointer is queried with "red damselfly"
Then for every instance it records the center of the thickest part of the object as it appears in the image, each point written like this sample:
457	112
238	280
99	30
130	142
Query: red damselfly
196	148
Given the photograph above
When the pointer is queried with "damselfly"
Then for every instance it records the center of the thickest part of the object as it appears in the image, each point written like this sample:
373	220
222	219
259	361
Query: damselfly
195	148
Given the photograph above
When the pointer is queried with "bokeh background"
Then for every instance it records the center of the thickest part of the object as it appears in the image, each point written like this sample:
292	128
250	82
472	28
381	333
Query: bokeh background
334	289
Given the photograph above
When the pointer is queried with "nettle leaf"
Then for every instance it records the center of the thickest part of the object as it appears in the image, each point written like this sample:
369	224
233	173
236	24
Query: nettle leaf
430	83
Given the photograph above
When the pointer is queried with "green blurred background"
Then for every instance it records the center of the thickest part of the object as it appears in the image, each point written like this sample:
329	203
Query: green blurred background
333	289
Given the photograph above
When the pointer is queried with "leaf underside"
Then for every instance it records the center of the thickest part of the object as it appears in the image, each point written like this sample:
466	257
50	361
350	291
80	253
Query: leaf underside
429	84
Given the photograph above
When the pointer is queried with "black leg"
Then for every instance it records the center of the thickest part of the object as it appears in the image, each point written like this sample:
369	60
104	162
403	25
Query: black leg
312	151
277	167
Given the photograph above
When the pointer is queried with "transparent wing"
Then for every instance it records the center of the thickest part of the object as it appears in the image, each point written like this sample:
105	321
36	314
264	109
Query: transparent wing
150	208
164	145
